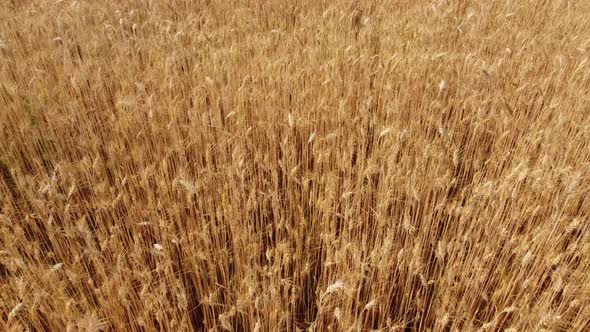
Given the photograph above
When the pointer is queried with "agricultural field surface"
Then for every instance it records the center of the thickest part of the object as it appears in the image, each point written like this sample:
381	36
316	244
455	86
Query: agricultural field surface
294	165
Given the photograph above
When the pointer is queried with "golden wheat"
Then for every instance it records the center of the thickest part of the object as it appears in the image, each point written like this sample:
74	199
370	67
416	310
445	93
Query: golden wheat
294	165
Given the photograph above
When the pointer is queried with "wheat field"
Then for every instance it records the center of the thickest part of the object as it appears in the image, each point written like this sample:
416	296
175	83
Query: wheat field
265	165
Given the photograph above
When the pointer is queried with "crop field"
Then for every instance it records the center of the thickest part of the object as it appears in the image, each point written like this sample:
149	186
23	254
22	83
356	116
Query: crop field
266	165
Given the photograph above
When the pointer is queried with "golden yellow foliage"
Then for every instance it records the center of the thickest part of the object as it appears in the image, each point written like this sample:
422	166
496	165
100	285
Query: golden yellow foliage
294	165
